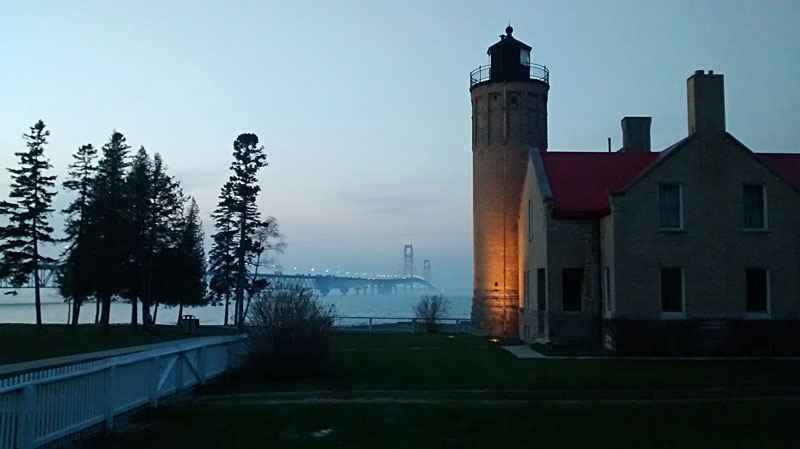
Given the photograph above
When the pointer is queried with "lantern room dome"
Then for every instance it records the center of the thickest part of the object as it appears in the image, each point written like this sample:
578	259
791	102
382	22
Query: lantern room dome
510	60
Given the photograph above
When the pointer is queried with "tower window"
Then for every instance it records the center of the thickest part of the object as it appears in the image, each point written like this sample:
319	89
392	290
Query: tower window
524	56
571	289
757	290
670	206
755	207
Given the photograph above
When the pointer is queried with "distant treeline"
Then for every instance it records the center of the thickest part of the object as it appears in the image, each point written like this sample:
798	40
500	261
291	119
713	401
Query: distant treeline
131	233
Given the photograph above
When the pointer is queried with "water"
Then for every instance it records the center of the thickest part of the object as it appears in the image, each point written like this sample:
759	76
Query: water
20	308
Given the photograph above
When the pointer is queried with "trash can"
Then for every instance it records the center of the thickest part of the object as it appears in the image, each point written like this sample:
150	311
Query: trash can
189	324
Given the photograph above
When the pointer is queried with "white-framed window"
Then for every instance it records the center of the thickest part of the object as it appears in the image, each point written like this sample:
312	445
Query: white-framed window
670	206
606	287
672	290
571	289
757	282
754	206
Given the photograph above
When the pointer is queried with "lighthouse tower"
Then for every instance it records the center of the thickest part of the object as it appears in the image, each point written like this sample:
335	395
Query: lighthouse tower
509	119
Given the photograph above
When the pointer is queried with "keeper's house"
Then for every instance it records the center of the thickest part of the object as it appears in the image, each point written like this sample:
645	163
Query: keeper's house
691	250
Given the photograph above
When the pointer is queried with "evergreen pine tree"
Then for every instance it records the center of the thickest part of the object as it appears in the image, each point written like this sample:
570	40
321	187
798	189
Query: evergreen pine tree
179	277
155	213
27	211
74	278
140	212
248	158
222	258
165	228
108	227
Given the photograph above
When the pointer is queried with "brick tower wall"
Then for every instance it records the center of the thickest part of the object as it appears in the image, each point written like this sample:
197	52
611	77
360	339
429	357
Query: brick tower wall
508	118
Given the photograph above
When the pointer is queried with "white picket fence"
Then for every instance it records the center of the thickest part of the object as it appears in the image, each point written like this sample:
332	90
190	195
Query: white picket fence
44	406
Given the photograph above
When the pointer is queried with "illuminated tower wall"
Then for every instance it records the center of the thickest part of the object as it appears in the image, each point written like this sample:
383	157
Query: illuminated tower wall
509	117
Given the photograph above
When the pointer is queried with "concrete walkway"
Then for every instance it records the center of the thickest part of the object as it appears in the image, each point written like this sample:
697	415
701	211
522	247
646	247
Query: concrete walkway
501	396
33	365
524	352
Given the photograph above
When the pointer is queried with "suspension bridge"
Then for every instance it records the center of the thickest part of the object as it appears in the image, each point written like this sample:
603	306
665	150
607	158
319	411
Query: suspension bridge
324	284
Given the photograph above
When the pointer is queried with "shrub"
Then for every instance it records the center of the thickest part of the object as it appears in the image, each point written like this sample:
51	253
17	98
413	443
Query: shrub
431	309
290	332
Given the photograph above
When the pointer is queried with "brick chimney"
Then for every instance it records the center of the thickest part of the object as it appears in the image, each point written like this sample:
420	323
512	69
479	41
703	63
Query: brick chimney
706	102
636	134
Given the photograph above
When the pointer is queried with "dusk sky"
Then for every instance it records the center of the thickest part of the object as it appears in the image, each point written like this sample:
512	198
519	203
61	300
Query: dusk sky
364	107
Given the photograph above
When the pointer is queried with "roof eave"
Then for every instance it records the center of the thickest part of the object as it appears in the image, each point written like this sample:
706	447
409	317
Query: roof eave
742	146
541	174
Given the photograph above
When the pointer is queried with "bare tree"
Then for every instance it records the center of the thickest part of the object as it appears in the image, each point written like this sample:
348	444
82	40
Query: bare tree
290	334
431	309
266	238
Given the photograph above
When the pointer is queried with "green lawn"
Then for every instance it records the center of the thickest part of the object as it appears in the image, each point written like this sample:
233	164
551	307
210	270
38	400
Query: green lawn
760	425
441	391
377	361
22	342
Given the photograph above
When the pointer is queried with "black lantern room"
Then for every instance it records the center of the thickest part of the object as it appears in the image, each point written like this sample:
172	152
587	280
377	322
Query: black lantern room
510	59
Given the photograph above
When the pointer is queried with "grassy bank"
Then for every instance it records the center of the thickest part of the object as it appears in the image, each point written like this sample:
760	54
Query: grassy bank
463	391
23	342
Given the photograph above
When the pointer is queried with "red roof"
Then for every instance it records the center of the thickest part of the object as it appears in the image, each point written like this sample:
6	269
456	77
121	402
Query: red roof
580	181
785	164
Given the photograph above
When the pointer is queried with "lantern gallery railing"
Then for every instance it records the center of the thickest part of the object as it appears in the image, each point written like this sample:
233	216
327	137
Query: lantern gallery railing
45	406
483	73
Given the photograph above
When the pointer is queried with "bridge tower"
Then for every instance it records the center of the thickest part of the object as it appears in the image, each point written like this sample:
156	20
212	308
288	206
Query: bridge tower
408	262
509	120
426	269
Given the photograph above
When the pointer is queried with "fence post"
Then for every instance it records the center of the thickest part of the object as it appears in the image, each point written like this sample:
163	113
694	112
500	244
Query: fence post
155	376
110	379
179	373
201	364
370	325
413	325
25	418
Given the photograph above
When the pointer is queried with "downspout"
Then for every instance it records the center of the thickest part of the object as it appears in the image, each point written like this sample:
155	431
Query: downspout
601	290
